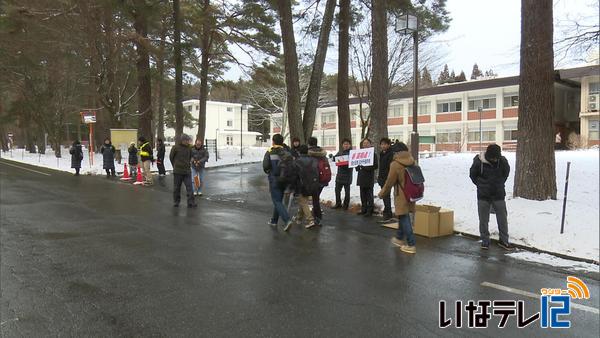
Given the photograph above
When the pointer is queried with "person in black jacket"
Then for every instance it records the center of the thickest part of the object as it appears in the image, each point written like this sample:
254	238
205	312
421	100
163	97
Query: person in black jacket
489	175
366	181
132	159
160	157
294	147
343	179
386	156
108	157
307	185
180	156
76	156
199	158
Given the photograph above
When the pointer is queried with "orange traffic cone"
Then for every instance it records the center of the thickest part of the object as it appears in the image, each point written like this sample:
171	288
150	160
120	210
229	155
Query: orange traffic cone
139	179
126	176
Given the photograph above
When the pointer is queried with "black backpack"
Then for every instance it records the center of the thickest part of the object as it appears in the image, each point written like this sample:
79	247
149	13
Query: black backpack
287	169
308	175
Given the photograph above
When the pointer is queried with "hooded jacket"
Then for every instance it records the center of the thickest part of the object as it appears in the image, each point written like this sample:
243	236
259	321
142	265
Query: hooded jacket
489	177
180	156
133	154
271	160
76	155
199	157
396	179
108	156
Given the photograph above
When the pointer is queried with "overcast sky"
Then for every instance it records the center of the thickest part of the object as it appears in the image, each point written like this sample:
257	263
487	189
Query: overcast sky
486	32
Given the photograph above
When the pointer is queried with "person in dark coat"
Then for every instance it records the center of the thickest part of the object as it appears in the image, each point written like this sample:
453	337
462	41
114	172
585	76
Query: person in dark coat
108	158
271	167
294	148
199	158
366	181
307	185
76	156
343	179
489	173
132	160
317	152
160	157
180	156
386	156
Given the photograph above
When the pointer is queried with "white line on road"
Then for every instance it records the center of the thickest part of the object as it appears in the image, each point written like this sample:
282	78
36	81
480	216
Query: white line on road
35	171
536	296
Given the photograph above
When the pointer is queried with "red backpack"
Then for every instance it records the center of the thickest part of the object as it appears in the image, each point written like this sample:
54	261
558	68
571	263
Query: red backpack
324	171
414	186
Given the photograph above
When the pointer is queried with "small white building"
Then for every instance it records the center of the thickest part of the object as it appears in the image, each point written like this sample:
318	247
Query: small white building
225	122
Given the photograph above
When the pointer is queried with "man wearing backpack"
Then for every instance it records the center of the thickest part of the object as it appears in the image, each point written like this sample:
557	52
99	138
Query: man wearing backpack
324	176
489	175
405	238
385	160
278	164
308	185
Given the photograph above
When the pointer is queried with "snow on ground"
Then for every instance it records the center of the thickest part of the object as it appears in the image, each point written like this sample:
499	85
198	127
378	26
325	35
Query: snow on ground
227	156
531	223
544	258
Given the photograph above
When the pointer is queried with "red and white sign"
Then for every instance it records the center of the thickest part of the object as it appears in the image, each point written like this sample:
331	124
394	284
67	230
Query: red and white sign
88	117
362	157
341	160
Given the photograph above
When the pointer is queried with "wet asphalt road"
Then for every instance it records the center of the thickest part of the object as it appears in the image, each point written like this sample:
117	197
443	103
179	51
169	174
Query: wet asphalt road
86	256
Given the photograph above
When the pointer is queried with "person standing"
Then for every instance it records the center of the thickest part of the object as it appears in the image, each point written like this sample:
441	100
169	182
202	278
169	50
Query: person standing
76	156
386	156
199	159
277	182
405	238
132	159
366	181
180	156
108	158
147	158
307	185
294	148
343	179
324	170
489	175
160	157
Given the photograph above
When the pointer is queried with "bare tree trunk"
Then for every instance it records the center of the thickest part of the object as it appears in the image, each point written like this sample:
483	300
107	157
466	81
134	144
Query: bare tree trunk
178	76
290	58
379	83
535	173
204	64
143	71
343	108
314	87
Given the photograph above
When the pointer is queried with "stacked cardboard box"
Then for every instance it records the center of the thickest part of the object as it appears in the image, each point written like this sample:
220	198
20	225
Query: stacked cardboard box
431	221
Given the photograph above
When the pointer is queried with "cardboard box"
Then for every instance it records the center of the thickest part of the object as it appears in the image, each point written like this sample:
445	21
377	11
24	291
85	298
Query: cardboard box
446	226
426	220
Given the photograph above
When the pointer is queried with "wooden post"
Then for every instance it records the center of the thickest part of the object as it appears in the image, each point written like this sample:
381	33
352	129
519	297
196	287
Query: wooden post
564	209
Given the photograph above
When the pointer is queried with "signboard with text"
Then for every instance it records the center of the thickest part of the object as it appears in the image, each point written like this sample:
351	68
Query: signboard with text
362	157
341	160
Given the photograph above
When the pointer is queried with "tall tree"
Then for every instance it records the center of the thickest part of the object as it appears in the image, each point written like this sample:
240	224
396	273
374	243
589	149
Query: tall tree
291	69
178	70
535	174
444	76
476	73
140	13
425	81
379	82
461	77
314	88
343	108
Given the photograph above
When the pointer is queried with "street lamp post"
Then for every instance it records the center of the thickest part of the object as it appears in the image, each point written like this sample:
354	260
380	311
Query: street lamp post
242	107
408	23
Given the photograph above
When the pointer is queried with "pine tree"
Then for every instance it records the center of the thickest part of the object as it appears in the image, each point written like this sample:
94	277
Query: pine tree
452	78
490	73
476	73
444	75
425	81
461	77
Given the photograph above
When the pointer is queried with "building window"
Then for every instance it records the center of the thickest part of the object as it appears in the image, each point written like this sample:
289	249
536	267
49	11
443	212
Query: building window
230	123
229	109
511	101
448	136
329	141
449	107
189	108
510	135
229	140
328	118
396	111
594	130
488	136
594	88
483	103
424	108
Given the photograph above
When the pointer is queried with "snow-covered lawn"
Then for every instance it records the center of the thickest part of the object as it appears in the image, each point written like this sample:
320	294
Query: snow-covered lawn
227	156
531	223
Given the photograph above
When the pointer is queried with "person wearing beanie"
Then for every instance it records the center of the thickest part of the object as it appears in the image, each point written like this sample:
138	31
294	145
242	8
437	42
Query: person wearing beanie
181	156
489	173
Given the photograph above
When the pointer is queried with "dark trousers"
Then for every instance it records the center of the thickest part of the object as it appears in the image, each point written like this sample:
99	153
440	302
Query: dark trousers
338	194
161	167
387	205
366	199
77	171
110	171
316	201
187	181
